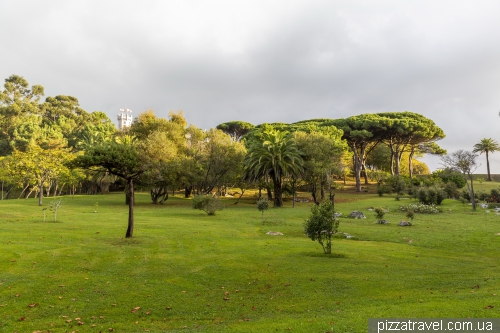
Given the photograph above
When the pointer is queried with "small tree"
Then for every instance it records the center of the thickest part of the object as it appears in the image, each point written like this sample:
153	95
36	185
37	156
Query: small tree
207	203
464	162
322	224
54	206
262	205
410	214
379	214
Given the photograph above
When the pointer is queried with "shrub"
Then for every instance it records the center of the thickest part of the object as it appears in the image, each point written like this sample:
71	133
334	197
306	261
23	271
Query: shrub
465	194
430	195
482	195
379	214
420	208
448	175
208	203
322	224
398	184
410	214
383	189
262	205
494	196
451	190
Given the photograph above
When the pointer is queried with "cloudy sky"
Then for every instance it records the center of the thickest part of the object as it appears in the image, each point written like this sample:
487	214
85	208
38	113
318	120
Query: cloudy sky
266	61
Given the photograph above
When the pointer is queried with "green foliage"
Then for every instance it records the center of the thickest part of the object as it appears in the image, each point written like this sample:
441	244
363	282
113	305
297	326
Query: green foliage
448	175
379	213
236	129
466	195
451	190
420	208
432	195
207	203
322	224
275	155
410	214
262	205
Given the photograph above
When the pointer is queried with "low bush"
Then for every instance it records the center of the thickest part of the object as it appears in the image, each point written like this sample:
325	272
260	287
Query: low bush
420	208
208	203
430	195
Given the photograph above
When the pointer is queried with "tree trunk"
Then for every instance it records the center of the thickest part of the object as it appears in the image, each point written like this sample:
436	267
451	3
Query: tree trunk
130	229
270	193
365	174
40	194
410	164
187	191
472	197
242	192
278	200
488	166
357	168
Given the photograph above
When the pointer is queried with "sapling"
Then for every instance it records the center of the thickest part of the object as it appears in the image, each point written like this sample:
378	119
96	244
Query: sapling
322	224
96	205
44	210
54	206
410	214
262	205
379	214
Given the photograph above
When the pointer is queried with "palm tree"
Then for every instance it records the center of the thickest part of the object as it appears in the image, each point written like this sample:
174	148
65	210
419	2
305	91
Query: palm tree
273	154
486	146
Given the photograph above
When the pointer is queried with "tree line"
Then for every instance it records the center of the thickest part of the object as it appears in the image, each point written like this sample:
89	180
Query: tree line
53	146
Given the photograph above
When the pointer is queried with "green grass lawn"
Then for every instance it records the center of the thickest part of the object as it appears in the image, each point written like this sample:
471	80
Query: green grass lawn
184	271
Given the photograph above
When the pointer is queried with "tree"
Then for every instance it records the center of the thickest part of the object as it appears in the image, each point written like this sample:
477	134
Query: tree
236	129
486	146
322	157
123	158
322	224
37	167
362	133
17	101
464	162
405	132
273	154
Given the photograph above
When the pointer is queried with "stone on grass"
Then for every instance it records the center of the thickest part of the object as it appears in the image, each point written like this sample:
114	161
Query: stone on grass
382	222
357	215
274	233
405	224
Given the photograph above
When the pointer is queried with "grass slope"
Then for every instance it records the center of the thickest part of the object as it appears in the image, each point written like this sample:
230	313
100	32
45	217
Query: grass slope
184	271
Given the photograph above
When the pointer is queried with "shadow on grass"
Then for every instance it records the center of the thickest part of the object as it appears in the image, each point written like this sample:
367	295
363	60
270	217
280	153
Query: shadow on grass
327	256
124	241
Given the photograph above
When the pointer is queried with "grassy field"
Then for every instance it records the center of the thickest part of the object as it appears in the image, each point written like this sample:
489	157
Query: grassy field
184	271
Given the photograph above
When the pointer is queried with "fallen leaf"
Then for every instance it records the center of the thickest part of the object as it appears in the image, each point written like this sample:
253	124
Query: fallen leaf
22	319
489	307
32	305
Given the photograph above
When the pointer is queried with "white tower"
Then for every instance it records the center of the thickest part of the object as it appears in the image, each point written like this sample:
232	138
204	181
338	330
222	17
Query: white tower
124	118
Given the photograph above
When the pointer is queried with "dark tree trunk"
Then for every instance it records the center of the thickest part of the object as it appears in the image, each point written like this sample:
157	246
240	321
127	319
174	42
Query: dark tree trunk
270	193
187	191
278	195
242	192
130	229
488	166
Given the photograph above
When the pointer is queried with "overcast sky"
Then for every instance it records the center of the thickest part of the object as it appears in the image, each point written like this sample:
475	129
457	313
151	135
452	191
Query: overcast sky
266	61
